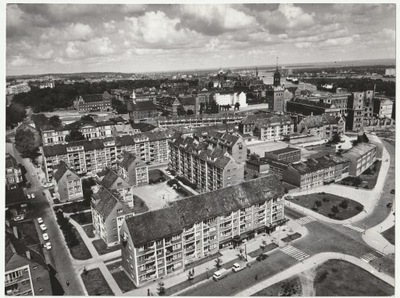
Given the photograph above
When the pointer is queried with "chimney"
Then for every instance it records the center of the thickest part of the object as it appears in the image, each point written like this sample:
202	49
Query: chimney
28	254
15	231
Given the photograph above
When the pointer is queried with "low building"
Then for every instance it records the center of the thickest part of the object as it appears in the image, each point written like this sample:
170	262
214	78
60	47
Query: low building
68	184
308	107
162	242
288	154
257	167
26	273
276	167
93	102
205	165
13	171
108	212
361	157
383	107
224	98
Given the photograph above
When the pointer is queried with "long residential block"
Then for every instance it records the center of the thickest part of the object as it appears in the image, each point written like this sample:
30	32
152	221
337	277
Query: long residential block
164	241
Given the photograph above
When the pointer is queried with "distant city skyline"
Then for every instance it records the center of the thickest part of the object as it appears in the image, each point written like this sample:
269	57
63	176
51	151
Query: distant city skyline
73	38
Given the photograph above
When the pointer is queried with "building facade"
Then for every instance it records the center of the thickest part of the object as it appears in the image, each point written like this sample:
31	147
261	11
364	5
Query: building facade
361	157
68	184
288	154
322	126
13	171
93	102
223	98
164	241
142	110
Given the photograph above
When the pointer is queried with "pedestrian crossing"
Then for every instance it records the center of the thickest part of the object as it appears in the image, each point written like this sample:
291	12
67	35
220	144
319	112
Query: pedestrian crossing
369	257
355	228
295	253
305	220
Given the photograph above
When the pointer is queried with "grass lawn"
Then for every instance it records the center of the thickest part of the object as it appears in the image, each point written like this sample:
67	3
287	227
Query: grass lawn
260	250
83	218
327	202
102	248
287	287
389	235
385	264
139	206
89	231
291	237
28	233
96	284
74	207
80	251
157	176
202	261
339	278
123	281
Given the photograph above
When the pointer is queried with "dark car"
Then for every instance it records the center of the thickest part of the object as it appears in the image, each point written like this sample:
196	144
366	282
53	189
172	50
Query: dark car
389	205
392	191
262	257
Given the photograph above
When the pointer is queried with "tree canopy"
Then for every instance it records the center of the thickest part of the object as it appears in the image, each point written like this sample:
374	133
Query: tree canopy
55	121
74	135
25	144
15	113
119	106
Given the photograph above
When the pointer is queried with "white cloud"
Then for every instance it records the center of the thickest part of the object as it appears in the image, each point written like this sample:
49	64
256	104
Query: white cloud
389	33
303	45
295	16
71	32
19	61
14	15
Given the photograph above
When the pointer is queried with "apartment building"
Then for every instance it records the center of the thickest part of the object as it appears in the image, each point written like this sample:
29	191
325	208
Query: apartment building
338	100
232	143
94	130
90	157
93	102
161	242
361	157
383	107
224	98
208	167
267	127
322	126
133	170
109	210
13	171
288	154
26	273
68	184
199	120
355	111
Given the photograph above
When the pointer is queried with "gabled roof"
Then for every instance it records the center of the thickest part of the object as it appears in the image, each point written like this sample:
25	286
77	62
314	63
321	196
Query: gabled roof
15	196
92	97
62	168
141	106
187	101
110	178
105	202
161	223
10	161
129	158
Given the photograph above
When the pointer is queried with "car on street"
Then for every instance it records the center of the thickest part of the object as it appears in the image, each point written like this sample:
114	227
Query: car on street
389	205
45	236
43	227
29	196
220	274
33	195
18	218
392	191
40	220
236	267
262	257
48	245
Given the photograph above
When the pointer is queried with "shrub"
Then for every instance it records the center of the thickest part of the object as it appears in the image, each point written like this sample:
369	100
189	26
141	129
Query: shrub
344	204
321	277
325	200
360	208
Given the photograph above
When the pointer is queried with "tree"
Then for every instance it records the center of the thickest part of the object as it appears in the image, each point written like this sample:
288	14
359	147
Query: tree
237	106
335	209
87	118
335	138
26	144
254	156
161	289
189	112
218	263
119	106
15	113
55	121
344	204
318	203
74	135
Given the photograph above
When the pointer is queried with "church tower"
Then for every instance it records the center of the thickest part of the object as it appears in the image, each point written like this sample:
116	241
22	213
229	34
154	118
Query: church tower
277	75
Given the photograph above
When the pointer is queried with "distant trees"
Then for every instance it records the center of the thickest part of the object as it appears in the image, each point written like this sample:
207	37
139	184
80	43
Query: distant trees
87	118
74	135
25	144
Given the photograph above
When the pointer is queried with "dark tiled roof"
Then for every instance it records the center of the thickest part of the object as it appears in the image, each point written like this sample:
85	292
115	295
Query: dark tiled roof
15	196
62	168
109	179
92	97
143	127
10	161
141	106
266	119
284	150
187	101
129	158
184	213
105	202
320	120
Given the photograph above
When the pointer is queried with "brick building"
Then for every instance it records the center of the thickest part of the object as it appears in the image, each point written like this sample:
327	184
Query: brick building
93	102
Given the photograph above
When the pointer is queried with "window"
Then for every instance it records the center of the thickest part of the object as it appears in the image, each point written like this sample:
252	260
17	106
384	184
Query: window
159	242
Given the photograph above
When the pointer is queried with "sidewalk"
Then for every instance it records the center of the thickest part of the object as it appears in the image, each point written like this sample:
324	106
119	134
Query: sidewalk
374	238
310	263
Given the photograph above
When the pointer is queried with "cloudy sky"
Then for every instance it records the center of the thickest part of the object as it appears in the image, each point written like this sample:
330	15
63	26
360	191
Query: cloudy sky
43	38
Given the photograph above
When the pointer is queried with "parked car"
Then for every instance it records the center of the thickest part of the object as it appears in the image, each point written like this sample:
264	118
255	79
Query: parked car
236	267
48	245
45	236
43	227
392	191
40	220
220	274
29	196
18	218
262	257
33	195
389	205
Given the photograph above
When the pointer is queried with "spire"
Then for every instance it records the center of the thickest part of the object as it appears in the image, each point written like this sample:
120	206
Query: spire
256	72
276	63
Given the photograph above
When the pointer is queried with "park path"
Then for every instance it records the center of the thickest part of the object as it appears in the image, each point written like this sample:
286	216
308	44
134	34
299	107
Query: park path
307	282
311	263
